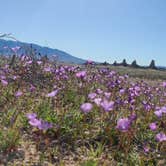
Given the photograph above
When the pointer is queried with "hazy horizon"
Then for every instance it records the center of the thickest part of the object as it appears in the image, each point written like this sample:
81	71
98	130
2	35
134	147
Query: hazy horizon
105	30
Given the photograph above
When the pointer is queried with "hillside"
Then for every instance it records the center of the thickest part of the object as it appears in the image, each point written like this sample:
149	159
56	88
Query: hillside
50	52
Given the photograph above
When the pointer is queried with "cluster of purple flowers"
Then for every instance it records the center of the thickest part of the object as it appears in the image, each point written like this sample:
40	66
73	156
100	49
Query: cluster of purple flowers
102	99
105	91
39	123
104	104
107	105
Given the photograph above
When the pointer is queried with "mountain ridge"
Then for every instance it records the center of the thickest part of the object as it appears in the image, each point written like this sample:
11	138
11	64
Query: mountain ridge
62	56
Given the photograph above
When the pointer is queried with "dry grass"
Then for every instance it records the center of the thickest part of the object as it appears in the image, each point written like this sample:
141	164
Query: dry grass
140	73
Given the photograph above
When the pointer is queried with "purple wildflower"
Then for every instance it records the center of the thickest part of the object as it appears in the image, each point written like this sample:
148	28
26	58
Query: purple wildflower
4	82
40	124
122	91
35	122
52	94
2	77
47	69
44	125
164	84
107	105
137	88
97	101
89	62
29	62
158	113
86	107
133	117
146	148
39	62
107	94
23	57
161	137
123	124
81	74
99	91
31	116
153	126
18	93
92	95
147	107
163	109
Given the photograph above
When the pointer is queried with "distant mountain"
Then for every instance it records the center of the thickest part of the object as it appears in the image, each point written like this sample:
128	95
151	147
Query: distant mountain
50	52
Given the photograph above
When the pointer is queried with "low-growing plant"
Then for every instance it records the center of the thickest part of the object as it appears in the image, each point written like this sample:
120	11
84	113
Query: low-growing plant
9	140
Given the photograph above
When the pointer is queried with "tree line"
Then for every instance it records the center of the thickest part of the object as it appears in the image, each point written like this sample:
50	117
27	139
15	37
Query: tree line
133	64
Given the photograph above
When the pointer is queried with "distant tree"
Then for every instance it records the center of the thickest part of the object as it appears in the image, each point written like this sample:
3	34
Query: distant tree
124	63
105	63
134	64
115	63
152	65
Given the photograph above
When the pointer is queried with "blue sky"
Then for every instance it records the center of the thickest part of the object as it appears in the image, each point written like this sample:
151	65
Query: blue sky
101	30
